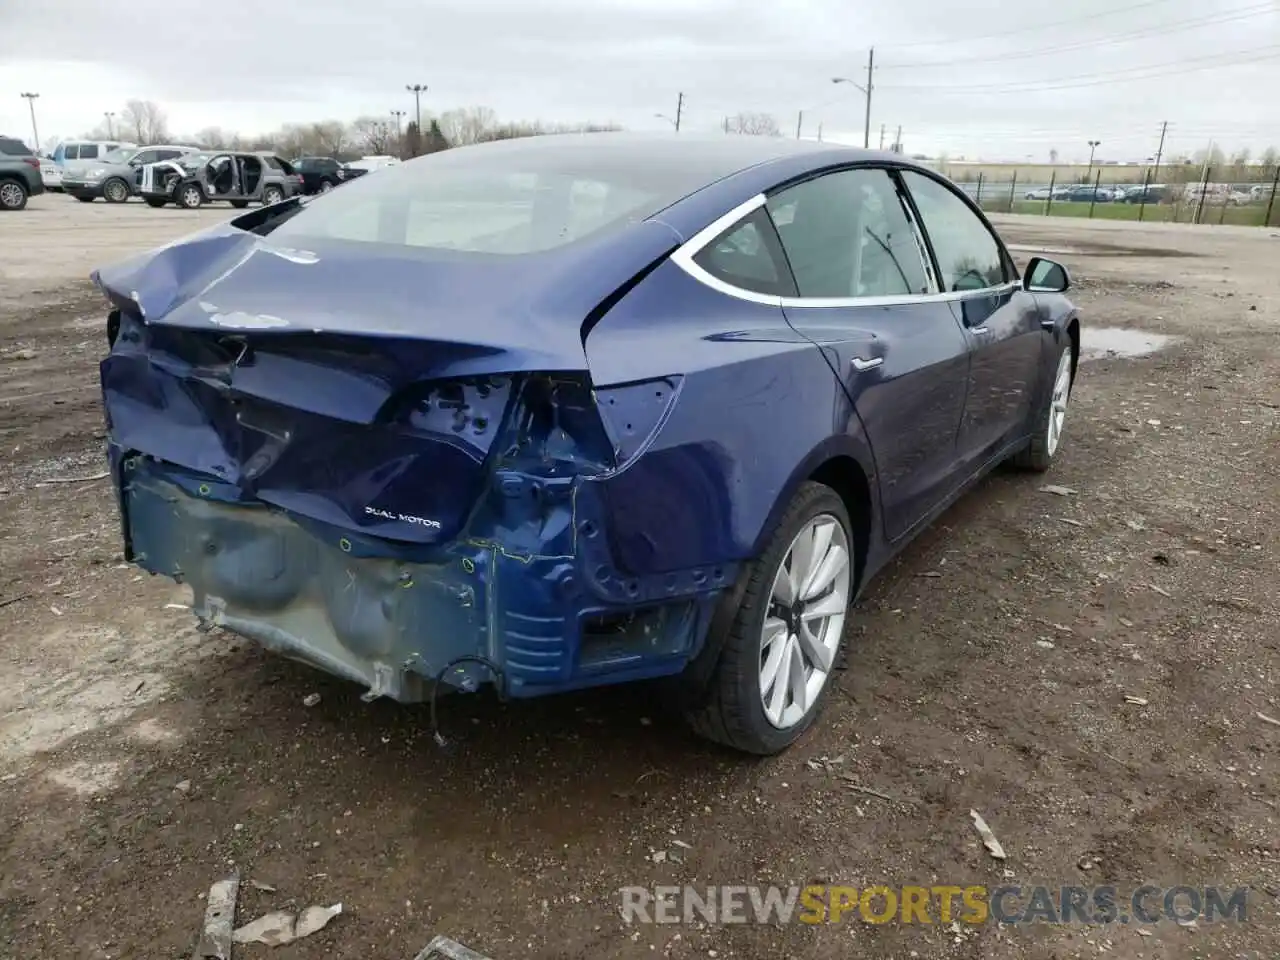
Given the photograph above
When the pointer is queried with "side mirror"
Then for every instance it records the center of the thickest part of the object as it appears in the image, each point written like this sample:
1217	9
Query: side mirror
1045	276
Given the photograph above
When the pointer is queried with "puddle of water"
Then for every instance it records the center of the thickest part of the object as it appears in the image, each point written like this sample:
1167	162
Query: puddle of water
1099	342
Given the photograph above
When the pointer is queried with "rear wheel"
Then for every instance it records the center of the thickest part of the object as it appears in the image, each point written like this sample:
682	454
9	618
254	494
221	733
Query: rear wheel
777	653
115	190
190	196
326	186
1046	436
272	195
13	195
239	204
156	202
85	199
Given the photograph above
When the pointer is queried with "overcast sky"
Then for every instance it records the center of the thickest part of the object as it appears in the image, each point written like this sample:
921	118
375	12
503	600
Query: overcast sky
981	78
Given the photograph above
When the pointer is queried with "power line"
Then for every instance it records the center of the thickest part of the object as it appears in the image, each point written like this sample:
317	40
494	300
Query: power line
1243	13
1093	79
952	41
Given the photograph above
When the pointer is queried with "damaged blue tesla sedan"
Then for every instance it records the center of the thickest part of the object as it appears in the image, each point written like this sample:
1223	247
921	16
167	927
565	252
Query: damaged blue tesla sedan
577	410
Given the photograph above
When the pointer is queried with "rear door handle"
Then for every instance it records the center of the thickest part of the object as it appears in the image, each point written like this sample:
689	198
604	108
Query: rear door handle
979	330
860	365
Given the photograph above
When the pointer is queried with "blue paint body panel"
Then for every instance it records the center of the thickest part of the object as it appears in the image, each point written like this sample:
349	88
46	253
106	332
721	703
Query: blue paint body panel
381	459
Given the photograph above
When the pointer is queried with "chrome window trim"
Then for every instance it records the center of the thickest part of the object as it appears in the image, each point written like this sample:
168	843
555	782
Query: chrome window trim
684	254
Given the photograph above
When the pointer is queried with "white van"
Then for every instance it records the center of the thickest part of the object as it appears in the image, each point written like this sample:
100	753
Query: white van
74	156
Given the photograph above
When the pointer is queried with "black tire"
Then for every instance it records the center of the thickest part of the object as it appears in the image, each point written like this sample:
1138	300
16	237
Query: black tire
728	709
326	186
189	196
116	190
1038	454
85	199
272	195
13	194
156	202
239	204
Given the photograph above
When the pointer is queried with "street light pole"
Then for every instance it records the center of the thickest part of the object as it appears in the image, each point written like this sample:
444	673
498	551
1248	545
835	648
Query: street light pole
417	89
866	92
111	132
1093	146
31	102
397	114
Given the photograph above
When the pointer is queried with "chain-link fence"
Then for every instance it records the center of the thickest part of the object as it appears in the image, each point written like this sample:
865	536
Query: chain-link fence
1247	196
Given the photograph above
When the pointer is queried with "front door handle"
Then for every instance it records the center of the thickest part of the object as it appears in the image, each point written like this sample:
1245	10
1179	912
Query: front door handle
979	330
861	365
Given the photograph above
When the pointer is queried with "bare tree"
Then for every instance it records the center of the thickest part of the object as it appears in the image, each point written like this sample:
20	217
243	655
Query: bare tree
330	137
145	121
215	138
1053	156
1270	157
373	135
755	124
467	124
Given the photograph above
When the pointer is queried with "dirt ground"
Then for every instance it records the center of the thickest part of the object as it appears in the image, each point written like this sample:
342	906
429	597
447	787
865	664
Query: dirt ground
140	760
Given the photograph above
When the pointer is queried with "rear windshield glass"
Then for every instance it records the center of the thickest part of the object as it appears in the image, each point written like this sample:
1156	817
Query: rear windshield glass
512	198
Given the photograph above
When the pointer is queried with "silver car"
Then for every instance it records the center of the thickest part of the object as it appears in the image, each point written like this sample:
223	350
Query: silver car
115	177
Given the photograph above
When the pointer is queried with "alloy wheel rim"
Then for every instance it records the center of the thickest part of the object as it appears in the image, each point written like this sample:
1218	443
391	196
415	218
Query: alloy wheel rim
805	620
10	194
272	196
1058	402
115	190
191	197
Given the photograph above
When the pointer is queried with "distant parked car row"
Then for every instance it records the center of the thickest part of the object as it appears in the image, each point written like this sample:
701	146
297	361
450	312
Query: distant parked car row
187	175
1085	193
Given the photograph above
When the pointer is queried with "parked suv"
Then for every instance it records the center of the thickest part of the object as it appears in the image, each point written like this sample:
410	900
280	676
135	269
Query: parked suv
19	174
115	177
73	156
319	174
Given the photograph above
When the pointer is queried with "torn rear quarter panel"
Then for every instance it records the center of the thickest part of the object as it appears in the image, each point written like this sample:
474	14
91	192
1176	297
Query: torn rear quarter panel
377	464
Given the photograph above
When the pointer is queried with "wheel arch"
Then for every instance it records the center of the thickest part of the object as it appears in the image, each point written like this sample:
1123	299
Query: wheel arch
845	464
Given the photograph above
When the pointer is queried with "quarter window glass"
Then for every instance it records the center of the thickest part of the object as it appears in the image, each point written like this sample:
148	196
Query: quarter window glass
968	256
743	257
846	235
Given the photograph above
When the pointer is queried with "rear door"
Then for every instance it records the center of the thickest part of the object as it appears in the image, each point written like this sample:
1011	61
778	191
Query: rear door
1000	320
865	294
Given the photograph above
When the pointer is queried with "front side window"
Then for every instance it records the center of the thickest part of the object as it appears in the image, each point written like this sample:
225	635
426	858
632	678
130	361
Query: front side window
747	256
846	235
88	151
144	156
71	153
968	255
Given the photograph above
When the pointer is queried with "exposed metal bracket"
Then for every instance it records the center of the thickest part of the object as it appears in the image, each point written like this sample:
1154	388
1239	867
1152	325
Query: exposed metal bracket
446	949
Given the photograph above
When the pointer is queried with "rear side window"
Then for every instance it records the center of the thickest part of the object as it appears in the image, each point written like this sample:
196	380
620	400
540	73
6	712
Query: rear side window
968	255
846	235
71	152
747	256
13	148
88	151
273	163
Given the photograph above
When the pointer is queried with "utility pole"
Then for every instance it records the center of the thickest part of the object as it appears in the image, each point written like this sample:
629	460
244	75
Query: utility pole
397	114
111	132
866	91
897	140
726	124
882	136
679	110
31	102
866	128
417	89
1164	128
799	124
819	133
